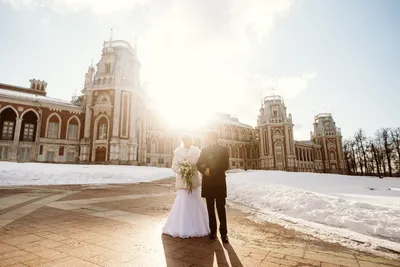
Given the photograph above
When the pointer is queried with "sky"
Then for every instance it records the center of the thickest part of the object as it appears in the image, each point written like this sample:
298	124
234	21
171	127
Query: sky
197	57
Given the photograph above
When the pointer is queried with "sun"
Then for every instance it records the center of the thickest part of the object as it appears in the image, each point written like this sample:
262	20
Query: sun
183	115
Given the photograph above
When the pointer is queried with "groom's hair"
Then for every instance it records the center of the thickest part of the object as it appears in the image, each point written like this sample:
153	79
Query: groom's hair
213	135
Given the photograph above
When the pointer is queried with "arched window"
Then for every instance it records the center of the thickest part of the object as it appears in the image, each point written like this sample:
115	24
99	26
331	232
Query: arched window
235	134
108	68
73	129
279	160
153	146
332	155
53	126
8	120
237	152
29	122
242	136
103	129
167	148
227	133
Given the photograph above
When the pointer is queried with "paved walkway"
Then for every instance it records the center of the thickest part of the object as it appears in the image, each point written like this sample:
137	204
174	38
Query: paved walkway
120	225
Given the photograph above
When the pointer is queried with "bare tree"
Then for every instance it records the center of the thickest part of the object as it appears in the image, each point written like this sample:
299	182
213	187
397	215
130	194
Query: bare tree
388	149
375	157
395	140
348	157
360	139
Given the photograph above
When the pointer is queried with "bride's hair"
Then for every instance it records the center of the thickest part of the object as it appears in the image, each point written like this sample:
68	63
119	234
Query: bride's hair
187	138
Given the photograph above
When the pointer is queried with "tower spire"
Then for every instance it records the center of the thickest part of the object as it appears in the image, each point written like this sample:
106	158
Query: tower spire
111	36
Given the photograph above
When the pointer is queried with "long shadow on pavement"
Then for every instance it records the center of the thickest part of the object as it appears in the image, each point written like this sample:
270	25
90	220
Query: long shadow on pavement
198	252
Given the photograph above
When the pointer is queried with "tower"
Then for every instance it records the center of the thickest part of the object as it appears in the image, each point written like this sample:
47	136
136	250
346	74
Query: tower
330	138
276	135
114	100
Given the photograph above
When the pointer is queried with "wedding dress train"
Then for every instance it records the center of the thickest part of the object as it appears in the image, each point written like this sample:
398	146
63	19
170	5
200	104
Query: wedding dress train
188	216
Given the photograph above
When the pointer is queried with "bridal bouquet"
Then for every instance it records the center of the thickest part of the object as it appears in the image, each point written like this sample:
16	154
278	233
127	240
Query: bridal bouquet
188	171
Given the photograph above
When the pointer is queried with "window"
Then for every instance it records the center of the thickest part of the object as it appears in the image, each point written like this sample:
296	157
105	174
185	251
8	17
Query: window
24	154
103	131
167	148
8	130
50	156
52	130
160	161
28	132
73	131
279	154
148	160
70	156
275	114
108	68
153	147
4	152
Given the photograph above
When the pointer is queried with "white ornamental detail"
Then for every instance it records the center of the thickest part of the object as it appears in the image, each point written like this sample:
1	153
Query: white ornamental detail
20	109
103	105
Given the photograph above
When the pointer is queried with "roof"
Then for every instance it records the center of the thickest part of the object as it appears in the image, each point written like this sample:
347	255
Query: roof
32	97
228	119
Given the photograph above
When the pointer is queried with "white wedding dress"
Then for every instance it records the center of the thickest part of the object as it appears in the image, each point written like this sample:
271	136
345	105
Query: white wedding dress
188	216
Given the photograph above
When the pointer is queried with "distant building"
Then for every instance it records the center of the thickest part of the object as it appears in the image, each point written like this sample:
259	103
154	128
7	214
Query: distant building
111	122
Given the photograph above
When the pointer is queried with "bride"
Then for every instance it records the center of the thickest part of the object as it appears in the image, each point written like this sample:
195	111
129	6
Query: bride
188	216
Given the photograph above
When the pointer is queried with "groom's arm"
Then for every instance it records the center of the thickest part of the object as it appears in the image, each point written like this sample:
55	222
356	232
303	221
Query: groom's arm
201	163
223	166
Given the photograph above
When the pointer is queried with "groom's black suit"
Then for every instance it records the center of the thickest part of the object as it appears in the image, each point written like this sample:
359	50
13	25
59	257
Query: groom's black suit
216	159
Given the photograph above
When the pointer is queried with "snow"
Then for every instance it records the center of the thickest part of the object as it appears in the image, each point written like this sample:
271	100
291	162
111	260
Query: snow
333	207
336	208
39	98
47	174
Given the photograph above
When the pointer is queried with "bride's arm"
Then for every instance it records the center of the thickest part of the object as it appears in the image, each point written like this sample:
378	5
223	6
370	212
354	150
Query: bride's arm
174	165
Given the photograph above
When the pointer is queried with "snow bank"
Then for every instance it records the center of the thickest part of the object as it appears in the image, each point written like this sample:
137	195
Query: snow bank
44	174
338	201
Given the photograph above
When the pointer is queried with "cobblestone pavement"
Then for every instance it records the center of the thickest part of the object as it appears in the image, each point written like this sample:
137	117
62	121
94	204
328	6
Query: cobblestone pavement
120	225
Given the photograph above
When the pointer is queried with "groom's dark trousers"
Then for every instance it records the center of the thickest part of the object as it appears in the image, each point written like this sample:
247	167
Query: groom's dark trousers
213	188
223	229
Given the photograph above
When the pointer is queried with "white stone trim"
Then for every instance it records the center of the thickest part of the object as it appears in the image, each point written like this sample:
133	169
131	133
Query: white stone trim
96	122
59	127
127	95
117	113
79	127
9	106
72	109
151	142
30	109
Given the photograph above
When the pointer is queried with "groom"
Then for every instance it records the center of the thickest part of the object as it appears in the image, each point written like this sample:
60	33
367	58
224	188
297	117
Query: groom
212	164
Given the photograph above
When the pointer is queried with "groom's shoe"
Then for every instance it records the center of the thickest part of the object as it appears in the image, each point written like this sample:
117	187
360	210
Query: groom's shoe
212	236
225	239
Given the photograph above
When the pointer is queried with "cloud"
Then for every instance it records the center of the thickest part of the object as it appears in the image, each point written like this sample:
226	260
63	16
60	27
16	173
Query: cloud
202	48
99	7
287	86
199	49
44	21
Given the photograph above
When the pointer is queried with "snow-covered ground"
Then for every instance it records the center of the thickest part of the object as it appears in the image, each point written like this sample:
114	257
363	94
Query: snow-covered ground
337	208
43	174
359	212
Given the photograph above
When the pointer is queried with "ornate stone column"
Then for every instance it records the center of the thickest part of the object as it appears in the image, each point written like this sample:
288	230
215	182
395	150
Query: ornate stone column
15	146
37	139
